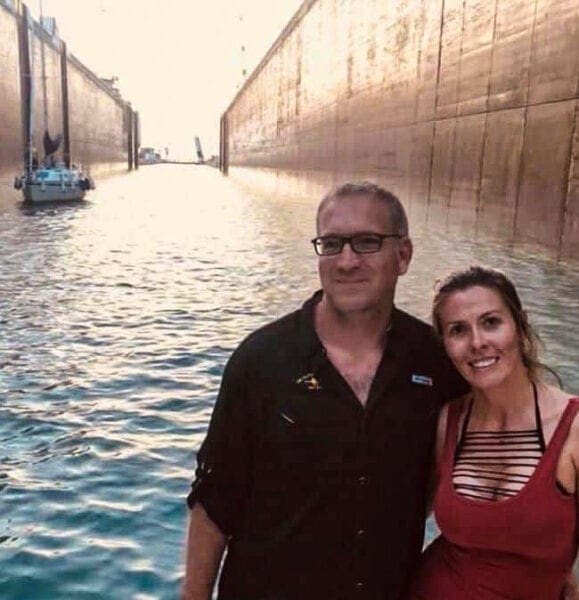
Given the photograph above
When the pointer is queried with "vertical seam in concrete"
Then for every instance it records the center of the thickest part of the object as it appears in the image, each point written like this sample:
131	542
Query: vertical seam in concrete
565	207
524	136
485	131
409	180
457	115
564	204
419	64
24	72
298	90
434	116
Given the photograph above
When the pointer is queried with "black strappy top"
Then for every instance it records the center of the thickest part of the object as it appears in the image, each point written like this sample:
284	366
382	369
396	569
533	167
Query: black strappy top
494	465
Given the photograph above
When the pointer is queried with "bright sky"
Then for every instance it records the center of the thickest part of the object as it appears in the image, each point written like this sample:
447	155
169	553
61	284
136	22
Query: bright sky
179	62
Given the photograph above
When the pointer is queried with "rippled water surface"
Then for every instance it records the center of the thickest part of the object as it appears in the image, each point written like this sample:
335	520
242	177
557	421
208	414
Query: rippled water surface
116	318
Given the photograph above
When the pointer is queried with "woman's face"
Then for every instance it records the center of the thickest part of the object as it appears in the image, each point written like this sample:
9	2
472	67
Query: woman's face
480	336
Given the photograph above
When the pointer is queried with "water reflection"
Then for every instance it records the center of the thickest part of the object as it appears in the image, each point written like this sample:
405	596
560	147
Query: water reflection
117	315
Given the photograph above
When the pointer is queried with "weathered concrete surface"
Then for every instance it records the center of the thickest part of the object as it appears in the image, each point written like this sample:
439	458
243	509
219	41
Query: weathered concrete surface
466	106
11	135
101	141
571	214
101	124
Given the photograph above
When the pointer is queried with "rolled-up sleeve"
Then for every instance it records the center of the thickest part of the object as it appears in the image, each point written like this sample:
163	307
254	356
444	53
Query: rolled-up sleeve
222	476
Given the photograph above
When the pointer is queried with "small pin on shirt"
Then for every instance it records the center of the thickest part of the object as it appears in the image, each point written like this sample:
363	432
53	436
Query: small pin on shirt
310	381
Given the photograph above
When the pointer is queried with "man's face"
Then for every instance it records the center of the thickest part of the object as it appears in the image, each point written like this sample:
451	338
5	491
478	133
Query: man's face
357	283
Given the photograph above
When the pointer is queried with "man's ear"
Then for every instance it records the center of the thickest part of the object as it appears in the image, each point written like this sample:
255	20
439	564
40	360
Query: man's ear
404	255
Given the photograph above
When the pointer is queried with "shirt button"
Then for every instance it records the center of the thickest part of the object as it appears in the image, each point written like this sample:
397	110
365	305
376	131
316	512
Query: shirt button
363	480
360	532
359	586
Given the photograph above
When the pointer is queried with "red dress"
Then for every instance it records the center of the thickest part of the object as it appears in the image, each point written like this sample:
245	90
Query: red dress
519	548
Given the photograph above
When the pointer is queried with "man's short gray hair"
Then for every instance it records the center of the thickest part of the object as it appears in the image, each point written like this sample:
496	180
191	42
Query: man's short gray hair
397	213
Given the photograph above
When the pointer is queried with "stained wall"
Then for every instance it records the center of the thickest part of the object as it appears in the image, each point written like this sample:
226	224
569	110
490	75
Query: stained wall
11	135
467	107
101	124
99	141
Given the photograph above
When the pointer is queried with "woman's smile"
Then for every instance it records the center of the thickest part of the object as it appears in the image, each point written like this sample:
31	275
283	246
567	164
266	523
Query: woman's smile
484	363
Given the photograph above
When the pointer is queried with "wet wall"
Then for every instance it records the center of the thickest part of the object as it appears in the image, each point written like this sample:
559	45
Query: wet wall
11	134
67	96
467	107
102	140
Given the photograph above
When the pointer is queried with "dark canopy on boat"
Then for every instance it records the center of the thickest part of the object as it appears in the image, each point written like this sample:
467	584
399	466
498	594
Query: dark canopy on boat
51	145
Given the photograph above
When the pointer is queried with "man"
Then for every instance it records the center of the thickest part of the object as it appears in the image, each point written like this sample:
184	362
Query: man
315	469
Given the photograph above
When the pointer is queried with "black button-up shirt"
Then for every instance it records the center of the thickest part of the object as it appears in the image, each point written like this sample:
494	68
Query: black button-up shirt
323	498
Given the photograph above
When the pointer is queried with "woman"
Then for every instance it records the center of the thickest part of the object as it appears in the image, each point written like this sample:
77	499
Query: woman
507	452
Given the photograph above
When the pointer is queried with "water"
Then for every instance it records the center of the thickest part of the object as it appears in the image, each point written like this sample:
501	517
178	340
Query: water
116	318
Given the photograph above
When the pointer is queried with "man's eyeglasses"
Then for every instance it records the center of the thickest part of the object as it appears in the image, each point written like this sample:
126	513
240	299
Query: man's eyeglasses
362	243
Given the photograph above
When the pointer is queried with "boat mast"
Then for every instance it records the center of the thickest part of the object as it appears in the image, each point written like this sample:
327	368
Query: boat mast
43	61
30	132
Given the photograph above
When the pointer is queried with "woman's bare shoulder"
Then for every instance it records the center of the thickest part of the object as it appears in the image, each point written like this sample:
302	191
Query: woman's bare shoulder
569	458
556	400
574	431
556	403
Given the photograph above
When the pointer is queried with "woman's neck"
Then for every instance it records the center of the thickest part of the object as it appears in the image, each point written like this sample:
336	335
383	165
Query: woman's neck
509	402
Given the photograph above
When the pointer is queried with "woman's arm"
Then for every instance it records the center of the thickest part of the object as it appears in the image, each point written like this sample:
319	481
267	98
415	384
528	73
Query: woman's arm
571	589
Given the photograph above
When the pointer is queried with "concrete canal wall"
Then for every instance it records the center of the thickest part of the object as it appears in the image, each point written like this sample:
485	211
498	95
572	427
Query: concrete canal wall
67	98
469	107
11	132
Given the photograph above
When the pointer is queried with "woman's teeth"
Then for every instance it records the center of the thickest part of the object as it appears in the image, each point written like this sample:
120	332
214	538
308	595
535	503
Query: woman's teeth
483	363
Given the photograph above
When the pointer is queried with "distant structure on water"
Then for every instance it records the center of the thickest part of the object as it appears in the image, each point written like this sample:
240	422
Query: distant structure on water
149	156
200	158
468	110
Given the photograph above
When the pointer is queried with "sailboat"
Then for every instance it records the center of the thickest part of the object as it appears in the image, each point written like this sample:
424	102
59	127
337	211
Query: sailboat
53	181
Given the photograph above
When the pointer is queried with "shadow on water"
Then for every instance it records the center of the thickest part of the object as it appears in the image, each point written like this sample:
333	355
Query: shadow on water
32	209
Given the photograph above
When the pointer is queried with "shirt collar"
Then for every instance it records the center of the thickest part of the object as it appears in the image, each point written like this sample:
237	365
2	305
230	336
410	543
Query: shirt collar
310	346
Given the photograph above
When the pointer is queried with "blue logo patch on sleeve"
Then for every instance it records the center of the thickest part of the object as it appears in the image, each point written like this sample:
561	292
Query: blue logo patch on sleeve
421	380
